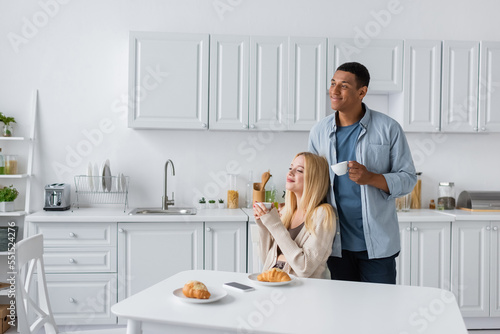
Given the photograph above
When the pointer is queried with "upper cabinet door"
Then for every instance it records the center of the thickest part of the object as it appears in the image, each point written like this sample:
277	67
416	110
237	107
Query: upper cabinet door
382	58
307	90
489	97
422	98
229	82
268	83
460	86
168	80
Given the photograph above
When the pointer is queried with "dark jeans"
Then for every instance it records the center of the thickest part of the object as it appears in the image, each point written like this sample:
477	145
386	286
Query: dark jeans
356	266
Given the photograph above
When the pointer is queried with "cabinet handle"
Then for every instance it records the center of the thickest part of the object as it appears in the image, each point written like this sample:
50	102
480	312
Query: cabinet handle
495	228
71	300
415	229
408	228
121	230
72	235
245	126
488	228
208	229
203	125
437	129
475	129
483	129
71	260
252	126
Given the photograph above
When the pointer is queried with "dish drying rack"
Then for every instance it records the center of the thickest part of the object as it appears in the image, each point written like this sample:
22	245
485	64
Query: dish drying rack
94	189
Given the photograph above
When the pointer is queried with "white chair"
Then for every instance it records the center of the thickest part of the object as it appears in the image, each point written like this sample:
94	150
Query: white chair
29	258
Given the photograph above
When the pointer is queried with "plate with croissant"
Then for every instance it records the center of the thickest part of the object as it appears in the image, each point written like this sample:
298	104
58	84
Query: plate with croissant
272	277
196	292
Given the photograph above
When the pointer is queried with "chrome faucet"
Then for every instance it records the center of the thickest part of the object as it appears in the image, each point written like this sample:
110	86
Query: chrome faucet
165	202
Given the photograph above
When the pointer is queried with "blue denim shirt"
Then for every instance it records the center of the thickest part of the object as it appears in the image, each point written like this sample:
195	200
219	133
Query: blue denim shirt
383	149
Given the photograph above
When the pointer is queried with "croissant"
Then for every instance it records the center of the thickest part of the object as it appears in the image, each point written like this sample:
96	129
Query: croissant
274	275
195	289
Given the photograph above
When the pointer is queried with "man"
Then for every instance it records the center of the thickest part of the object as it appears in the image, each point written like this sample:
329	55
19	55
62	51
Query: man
380	170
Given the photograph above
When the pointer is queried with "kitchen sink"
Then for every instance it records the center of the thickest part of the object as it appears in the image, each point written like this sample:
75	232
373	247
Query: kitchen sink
159	211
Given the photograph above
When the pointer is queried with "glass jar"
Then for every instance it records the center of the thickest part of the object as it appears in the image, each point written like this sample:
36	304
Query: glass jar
11	164
446	196
232	193
416	196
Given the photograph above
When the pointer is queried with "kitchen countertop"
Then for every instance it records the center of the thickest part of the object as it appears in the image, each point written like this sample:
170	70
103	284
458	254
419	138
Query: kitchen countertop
117	215
242	214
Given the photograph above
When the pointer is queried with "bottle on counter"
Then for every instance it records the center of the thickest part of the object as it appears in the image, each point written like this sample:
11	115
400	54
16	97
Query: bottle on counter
446	196
232	193
270	191
249	190
416	199
432	205
2	163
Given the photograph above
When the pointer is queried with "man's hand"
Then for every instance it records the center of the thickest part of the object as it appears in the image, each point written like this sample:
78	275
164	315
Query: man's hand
362	176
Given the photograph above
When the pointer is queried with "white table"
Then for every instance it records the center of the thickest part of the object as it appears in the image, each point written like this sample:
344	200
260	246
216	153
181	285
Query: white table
304	306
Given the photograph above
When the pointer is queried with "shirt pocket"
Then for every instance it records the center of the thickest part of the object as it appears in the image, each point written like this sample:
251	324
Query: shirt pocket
378	158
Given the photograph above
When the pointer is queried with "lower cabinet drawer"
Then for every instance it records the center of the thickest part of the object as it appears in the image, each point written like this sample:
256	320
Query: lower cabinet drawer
97	259
82	299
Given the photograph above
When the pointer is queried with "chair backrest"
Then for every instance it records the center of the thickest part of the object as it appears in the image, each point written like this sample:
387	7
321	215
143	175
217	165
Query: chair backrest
33	306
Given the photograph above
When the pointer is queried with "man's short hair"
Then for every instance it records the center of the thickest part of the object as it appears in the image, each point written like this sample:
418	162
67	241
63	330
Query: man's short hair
359	70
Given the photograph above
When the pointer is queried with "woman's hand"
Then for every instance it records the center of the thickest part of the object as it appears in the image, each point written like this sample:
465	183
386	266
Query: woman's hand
258	210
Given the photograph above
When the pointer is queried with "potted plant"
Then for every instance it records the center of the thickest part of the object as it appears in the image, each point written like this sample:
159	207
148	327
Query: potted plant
211	204
202	203
7	197
221	204
7	127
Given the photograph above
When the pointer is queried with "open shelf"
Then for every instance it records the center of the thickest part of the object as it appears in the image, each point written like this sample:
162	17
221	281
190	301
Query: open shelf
11	138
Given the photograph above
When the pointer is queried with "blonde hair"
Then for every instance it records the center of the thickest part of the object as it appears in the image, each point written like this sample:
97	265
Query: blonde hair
316	184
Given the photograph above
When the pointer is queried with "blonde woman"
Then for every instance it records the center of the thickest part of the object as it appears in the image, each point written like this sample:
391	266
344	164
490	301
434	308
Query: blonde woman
300	241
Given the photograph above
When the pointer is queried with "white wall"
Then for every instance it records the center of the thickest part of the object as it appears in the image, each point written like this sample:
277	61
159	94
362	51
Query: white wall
76	54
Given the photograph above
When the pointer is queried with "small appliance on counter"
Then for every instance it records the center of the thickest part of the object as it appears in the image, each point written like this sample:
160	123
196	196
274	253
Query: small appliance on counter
479	201
57	197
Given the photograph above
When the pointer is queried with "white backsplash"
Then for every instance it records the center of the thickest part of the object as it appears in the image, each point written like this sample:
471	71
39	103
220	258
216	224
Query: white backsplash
81	71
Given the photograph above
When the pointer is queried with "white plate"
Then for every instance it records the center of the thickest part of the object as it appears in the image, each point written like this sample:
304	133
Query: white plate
89	178
215	295
123	183
253	278
95	177
107	180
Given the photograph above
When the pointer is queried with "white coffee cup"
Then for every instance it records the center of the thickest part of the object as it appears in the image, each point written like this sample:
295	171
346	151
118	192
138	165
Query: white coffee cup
266	205
341	168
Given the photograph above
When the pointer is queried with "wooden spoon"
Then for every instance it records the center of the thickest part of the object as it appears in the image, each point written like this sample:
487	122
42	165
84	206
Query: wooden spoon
265	177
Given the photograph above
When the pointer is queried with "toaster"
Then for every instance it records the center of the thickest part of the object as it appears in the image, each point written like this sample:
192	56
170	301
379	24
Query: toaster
57	197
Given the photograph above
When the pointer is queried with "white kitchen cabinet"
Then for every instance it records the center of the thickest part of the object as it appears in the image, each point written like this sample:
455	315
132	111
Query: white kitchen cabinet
489	97
229	72
422	85
475	255
382	58
459	112
80	265
268	83
425	257
151	252
403	261
226	246
307	89
168	80
82	299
